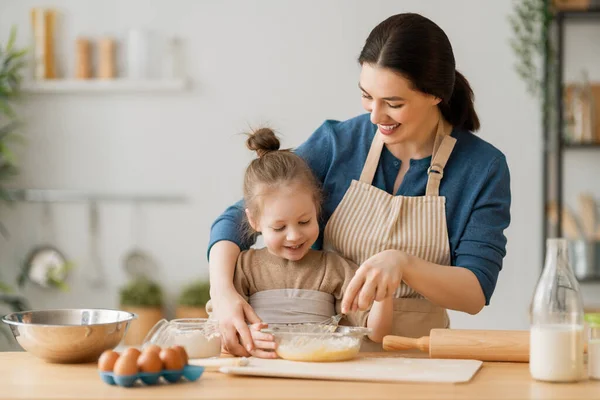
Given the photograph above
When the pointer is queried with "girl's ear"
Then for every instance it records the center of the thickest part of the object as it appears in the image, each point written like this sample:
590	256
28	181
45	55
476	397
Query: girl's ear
252	221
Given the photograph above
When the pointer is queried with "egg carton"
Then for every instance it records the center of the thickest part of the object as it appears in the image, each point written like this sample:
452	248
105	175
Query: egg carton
189	372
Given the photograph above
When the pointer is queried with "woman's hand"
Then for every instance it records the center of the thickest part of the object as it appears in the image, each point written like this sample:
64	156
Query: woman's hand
377	278
232	312
264	343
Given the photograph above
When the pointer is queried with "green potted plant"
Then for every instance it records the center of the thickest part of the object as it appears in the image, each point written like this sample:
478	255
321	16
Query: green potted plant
531	22
12	62
192	300
144	298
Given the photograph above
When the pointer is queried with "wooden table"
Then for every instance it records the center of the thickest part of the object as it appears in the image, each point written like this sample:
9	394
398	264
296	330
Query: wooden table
24	376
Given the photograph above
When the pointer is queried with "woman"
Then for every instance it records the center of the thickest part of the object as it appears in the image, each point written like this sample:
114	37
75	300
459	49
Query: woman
412	195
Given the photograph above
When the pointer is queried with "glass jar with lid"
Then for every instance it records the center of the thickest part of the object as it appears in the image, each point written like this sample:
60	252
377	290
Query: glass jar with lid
199	336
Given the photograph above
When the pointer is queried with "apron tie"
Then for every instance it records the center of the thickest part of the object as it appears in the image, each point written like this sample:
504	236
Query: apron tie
292	306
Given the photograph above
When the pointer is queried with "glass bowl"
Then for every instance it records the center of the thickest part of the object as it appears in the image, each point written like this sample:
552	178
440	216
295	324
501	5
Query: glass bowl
199	336
317	343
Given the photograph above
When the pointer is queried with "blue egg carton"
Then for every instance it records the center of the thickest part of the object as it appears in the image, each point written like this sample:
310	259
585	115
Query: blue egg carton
190	372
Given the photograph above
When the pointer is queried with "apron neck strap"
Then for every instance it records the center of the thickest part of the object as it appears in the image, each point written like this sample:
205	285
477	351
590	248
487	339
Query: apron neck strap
368	172
442	148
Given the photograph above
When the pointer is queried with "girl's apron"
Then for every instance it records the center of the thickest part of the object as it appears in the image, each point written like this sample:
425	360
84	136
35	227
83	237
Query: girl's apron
369	220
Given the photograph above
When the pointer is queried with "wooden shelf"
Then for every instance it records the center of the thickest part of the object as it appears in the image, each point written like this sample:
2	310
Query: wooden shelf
579	14
580	146
589	280
74	86
79	196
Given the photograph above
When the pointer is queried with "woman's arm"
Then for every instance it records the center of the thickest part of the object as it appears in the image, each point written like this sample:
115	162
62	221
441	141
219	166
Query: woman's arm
231	310
449	287
380	319
454	288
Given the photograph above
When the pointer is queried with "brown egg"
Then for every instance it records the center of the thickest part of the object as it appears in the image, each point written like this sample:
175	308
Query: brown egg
126	365
107	360
171	359
132	351
182	353
153	347
150	361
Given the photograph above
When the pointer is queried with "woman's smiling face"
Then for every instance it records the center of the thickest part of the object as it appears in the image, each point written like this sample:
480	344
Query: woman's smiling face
399	111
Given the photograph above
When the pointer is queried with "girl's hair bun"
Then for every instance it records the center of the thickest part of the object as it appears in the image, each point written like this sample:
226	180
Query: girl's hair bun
262	141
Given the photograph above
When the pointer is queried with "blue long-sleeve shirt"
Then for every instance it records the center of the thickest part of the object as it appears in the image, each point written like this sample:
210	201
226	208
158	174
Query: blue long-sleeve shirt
476	185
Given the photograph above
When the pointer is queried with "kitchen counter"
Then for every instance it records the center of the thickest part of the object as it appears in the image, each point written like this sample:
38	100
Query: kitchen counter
24	376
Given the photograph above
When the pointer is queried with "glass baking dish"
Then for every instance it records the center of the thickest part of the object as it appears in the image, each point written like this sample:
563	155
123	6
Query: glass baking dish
317	342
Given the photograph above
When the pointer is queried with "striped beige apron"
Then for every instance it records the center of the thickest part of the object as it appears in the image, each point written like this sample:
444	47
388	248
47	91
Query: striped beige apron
369	220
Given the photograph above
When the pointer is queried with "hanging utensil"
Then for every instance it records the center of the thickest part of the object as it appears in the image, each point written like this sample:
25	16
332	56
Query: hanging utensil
96	278
45	265
137	262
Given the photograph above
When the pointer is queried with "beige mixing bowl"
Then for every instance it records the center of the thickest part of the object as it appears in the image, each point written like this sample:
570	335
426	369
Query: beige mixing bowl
69	335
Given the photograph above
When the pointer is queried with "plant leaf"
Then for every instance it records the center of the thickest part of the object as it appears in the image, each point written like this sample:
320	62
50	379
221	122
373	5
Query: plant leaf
23	277
8	128
11	39
7	110
15	302
5	288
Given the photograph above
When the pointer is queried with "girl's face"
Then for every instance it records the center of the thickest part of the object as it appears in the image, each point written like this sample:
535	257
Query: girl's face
287	221
400	112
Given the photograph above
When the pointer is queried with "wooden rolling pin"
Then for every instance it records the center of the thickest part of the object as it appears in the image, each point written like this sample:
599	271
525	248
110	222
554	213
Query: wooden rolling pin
481	345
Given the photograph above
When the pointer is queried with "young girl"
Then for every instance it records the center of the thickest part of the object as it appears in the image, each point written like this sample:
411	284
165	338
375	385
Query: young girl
287	281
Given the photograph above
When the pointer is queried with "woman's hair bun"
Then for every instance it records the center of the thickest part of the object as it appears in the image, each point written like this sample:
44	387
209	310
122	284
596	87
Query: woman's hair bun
262	141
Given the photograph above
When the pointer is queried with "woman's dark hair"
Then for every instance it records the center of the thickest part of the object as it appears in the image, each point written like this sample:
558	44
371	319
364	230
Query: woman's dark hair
420	51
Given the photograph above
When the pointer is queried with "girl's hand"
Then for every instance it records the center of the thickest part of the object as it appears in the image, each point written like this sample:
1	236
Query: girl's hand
264	343
377	278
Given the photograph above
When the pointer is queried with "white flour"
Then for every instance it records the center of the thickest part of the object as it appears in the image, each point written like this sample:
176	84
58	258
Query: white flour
556	353
199	344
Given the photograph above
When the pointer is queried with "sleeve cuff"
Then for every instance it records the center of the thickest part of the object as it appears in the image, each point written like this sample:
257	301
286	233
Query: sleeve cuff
225	230
485	271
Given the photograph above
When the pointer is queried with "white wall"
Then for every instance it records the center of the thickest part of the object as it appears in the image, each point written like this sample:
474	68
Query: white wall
292	64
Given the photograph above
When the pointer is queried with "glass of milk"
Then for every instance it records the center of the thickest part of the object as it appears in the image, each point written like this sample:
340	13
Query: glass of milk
556	316
593	321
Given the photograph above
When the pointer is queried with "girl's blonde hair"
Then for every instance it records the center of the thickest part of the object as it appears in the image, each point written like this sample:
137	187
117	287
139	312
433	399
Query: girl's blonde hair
274	168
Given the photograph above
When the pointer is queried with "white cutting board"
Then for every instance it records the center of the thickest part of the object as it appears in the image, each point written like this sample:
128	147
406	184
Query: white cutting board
377	369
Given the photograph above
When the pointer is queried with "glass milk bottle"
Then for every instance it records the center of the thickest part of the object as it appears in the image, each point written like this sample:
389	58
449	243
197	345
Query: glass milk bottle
556	314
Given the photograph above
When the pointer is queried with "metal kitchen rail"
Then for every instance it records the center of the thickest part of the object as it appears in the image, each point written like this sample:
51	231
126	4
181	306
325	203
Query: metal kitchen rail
79	196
